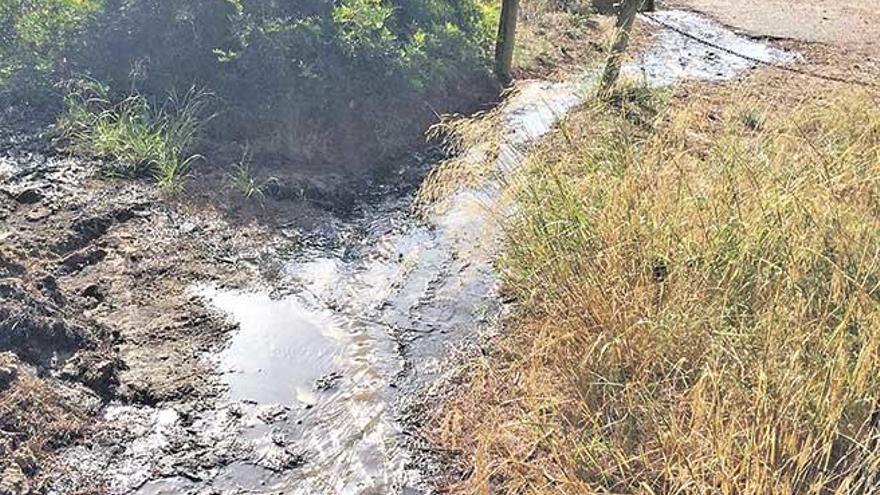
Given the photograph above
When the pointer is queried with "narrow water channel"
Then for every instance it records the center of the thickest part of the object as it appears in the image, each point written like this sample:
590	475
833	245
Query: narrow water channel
320	364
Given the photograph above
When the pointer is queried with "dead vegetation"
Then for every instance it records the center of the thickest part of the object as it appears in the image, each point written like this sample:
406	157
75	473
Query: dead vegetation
34	418
699	304
556	37
472	143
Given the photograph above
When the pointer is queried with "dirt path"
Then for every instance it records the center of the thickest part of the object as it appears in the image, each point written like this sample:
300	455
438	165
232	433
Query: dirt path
852	25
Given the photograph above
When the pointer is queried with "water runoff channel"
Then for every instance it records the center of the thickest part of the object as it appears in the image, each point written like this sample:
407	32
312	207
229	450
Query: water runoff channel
317	376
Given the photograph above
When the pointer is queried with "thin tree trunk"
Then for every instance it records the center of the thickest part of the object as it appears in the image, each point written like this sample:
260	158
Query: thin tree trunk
625	18
506	39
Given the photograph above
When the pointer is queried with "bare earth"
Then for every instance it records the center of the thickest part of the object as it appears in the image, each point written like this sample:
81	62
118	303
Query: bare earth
852	25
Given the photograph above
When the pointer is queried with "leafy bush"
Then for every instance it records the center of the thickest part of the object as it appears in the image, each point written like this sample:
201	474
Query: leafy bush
34	37
293	77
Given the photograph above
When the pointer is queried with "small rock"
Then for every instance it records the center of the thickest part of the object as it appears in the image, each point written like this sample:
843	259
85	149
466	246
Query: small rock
29	196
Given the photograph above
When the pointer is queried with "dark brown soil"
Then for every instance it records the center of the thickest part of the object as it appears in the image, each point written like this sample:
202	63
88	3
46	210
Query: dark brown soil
94	280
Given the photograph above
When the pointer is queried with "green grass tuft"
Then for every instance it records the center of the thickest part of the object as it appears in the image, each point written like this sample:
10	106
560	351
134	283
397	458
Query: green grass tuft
242	179
137	138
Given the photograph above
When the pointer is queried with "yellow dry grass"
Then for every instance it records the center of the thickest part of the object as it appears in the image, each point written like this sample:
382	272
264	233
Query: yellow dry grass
472	143
699	307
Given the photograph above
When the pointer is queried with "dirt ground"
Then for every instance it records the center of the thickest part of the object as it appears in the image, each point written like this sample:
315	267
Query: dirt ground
94	274
850	25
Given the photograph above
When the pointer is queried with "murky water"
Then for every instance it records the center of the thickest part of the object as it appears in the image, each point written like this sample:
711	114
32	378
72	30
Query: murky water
281	348
319	365
675	57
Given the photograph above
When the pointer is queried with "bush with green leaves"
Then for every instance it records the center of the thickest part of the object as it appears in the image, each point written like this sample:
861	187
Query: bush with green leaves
35	36
292	77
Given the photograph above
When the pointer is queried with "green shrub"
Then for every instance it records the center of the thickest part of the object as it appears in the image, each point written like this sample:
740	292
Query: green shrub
289	73
294	78
34	36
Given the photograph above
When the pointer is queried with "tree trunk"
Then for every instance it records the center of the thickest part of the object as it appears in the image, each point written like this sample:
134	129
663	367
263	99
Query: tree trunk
506	40
625	18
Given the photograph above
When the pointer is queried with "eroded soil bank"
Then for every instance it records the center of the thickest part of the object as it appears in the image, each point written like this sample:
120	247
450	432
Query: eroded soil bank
97	303
186	345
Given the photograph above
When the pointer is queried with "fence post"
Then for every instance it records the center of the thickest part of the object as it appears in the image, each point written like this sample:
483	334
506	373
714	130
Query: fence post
625	17
506	39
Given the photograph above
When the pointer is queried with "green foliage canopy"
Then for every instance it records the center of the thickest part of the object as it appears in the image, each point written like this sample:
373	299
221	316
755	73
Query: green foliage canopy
272	63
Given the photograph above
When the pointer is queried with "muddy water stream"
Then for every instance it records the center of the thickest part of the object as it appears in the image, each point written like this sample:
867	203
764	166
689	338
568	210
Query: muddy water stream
320	364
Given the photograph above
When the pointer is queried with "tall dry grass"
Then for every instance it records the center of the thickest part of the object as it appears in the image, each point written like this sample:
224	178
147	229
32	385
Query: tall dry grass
699	308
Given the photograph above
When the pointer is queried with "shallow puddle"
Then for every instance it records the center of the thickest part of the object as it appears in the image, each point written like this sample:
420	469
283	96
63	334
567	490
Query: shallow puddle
280	350
330	369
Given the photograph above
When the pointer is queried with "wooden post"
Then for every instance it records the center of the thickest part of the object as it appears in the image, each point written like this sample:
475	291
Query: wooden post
506	39
625	17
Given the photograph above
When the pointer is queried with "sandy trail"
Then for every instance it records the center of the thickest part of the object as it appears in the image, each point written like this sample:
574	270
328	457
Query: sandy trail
852	25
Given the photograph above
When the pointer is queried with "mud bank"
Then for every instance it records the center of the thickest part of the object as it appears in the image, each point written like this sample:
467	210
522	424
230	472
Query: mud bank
200	353
93	297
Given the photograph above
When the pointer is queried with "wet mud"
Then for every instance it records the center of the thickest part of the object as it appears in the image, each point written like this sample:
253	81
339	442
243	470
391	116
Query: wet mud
184	350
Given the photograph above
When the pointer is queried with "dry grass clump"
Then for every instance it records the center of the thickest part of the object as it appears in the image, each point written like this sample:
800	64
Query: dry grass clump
699	309
556	37
34	419
472	142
